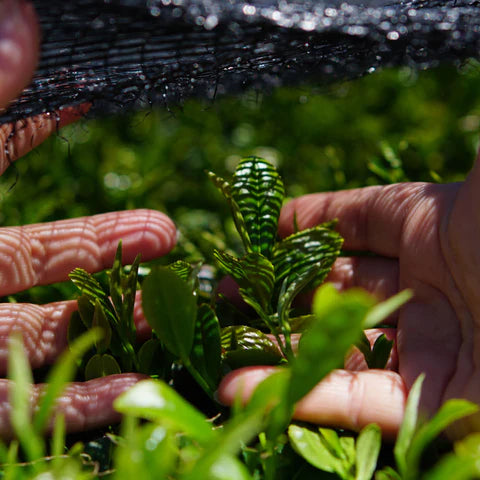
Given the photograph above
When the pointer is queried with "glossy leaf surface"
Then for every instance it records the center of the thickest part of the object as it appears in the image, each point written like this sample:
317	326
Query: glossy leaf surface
297	254
258	191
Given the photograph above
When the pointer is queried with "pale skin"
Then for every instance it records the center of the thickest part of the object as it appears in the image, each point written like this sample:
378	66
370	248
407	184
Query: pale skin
425	237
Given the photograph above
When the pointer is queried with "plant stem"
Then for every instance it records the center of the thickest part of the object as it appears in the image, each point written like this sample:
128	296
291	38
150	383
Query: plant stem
198	378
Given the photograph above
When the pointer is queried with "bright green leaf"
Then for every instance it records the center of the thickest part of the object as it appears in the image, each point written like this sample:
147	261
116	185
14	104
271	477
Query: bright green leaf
154	400
368	446
309	445
323	346
383	310
408	427
170	309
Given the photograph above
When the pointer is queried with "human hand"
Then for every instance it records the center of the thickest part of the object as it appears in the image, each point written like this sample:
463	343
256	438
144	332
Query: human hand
426	238
45	253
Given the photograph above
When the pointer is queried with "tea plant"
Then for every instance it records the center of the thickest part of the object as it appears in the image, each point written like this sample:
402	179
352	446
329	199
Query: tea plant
203	333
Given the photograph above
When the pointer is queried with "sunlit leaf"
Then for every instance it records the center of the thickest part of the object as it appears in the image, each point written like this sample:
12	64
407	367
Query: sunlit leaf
237	216
258	190
170	309
253	274
156	401
368	445
408	427
20	392
310	446
297	254
323	346
448	413
206	351
244	346
62	372
383	310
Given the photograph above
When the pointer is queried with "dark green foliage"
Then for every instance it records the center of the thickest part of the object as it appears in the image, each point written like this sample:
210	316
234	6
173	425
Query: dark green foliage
258	192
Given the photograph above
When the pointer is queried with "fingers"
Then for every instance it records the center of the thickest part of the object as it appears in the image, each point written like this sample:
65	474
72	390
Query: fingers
46	253
343	399
86	405
19	43
44	329
18	138
370	219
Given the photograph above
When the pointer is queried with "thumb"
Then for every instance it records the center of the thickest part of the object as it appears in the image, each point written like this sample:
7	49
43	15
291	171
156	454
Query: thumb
19	45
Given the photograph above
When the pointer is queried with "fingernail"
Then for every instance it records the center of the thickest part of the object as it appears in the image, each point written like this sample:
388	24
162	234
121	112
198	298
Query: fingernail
13	25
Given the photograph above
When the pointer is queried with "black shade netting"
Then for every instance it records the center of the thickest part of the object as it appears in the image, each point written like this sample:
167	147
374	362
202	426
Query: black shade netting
122	54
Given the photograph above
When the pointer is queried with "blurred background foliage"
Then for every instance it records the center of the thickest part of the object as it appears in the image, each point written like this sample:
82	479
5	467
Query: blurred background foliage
395	125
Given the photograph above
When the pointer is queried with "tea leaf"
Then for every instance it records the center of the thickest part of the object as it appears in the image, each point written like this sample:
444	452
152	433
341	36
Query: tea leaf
338	324
368	446
245	346
206	351
100	320
62	372
170	309
254	275
101	366
297	254
151	359
309	445
408	427
154	400
383	310
449	412
258	190
237	216
20	391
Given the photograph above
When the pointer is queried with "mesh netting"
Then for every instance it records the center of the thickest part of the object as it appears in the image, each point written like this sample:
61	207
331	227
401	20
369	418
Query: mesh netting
122	54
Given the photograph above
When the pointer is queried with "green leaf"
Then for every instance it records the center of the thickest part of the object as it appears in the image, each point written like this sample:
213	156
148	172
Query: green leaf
20	398
258	190
154	400
376	357
454	467
297	254
381	352
322	348
146	452
449	412
62	372
237	216
151	358
85	310
388	473
101	366
207	350
384	309
76	327
254	275
245	346
100	320
408	427
368	446
170	309
309	445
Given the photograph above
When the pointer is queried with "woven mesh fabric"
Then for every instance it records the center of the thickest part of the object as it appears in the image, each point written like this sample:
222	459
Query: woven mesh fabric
122	54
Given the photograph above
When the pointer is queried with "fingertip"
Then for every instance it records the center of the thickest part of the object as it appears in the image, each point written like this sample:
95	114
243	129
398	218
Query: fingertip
19	46
241	383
